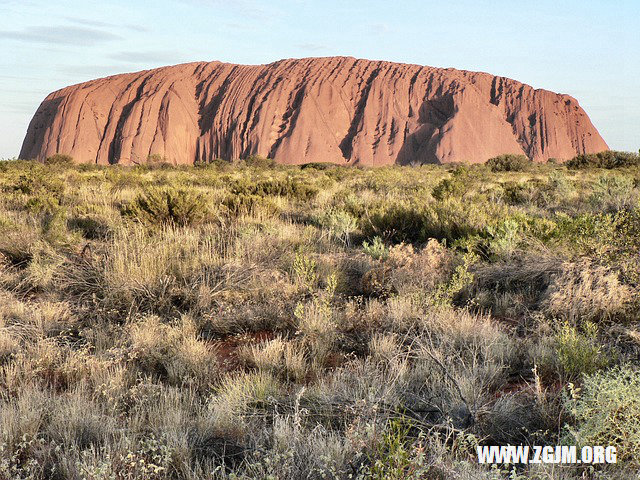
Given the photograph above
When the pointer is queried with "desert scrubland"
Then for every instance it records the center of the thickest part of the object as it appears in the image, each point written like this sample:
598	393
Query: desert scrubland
253	320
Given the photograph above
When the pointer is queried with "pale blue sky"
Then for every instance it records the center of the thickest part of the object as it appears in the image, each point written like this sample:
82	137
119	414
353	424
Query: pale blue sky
589	49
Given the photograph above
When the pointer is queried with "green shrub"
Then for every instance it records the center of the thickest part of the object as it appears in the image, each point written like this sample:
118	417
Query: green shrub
559	186
44	192
608	159
339	223
42	203
460	279
579	351
318	166
287	187
588	233
376	249
450	220
396	457
156	158
613	192
514	193
612	237
256	161
455	220
247	204
304	271
529	192
456	186
504	238
155	161
167	206
509	163
398	222
606	411
59	159
448	187
39	182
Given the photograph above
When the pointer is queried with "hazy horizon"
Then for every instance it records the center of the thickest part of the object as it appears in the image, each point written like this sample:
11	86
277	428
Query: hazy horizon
584	49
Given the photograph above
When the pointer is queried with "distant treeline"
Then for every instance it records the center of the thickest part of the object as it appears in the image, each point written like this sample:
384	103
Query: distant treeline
608	159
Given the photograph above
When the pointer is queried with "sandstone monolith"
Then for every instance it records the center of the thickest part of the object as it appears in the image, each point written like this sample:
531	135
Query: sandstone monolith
336	109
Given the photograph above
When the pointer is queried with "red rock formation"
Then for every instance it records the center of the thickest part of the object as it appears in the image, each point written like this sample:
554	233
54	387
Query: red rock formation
339	110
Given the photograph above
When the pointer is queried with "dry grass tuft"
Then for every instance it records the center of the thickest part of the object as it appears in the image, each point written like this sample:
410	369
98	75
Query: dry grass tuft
584	291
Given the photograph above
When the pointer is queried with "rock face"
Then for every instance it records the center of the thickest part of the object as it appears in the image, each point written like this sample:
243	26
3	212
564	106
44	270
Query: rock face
339	110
